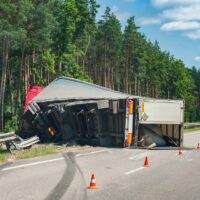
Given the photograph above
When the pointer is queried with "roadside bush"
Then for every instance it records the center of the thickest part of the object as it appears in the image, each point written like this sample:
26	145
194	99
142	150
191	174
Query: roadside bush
11	125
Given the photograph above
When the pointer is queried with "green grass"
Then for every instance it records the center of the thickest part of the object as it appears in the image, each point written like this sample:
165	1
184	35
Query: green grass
4	155
35	152
28	153
191	129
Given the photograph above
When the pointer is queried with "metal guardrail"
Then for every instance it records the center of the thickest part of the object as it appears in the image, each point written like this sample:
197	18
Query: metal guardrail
6	137
22	144
12	140
191	125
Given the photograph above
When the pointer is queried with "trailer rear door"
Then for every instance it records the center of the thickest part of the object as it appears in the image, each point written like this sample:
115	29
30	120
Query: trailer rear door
154	111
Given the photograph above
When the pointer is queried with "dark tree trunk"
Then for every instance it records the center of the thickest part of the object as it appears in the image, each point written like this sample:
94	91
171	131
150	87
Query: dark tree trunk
20	80
11	85
126	76
85	53
105	68
3	79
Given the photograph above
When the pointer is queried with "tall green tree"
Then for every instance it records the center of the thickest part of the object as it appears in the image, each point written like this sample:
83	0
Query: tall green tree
109	43
130	48
12	20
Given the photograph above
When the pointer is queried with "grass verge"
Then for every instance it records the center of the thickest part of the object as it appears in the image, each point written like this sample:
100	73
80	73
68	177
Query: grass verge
4	155
28	153
35	152
187	130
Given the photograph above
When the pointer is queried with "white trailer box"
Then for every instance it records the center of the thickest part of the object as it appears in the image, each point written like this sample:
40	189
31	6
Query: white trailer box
156	111
158	121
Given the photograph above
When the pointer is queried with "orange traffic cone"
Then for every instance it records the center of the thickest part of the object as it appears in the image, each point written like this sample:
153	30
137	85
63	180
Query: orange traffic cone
198	146
146	162
92	183
180	153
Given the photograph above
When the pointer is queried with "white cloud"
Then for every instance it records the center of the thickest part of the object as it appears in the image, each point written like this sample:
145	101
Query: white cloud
180	15
183	13
114	9
180	25
195	35
197	58
162	3
122	16
149	21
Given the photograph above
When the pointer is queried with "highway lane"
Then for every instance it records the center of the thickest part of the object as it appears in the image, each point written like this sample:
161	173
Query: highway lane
119	175
191	139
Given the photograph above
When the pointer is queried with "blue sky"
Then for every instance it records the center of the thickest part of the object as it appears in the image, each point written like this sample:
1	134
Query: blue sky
175	24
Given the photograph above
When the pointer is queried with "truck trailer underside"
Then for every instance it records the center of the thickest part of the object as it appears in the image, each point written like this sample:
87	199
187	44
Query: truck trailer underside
88	122
99	122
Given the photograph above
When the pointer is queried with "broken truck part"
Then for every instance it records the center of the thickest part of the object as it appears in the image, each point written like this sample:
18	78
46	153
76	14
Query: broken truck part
72	110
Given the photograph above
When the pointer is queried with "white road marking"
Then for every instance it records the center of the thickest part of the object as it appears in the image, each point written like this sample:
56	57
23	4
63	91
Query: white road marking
139	156
48	161
134	170
32	164
191	134
90	153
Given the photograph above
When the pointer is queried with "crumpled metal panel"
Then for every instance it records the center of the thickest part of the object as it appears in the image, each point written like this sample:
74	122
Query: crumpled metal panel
64	88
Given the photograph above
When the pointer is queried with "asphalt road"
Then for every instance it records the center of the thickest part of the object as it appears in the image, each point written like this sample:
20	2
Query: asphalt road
119	175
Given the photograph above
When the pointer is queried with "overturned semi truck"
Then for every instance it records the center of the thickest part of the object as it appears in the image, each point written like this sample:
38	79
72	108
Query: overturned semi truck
73	110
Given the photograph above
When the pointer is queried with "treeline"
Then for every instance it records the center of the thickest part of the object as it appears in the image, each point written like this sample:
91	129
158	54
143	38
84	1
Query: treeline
43	39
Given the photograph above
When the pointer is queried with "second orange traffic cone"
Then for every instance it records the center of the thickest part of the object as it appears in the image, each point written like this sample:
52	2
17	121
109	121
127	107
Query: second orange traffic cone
146	162
92	183
180	153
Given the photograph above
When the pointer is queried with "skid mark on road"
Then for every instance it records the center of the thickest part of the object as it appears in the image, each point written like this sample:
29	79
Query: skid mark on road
61	188
68	176
83	183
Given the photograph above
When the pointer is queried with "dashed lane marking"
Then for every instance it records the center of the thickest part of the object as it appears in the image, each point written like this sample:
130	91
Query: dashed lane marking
49	161
32	164
134	170
139	156
90	153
